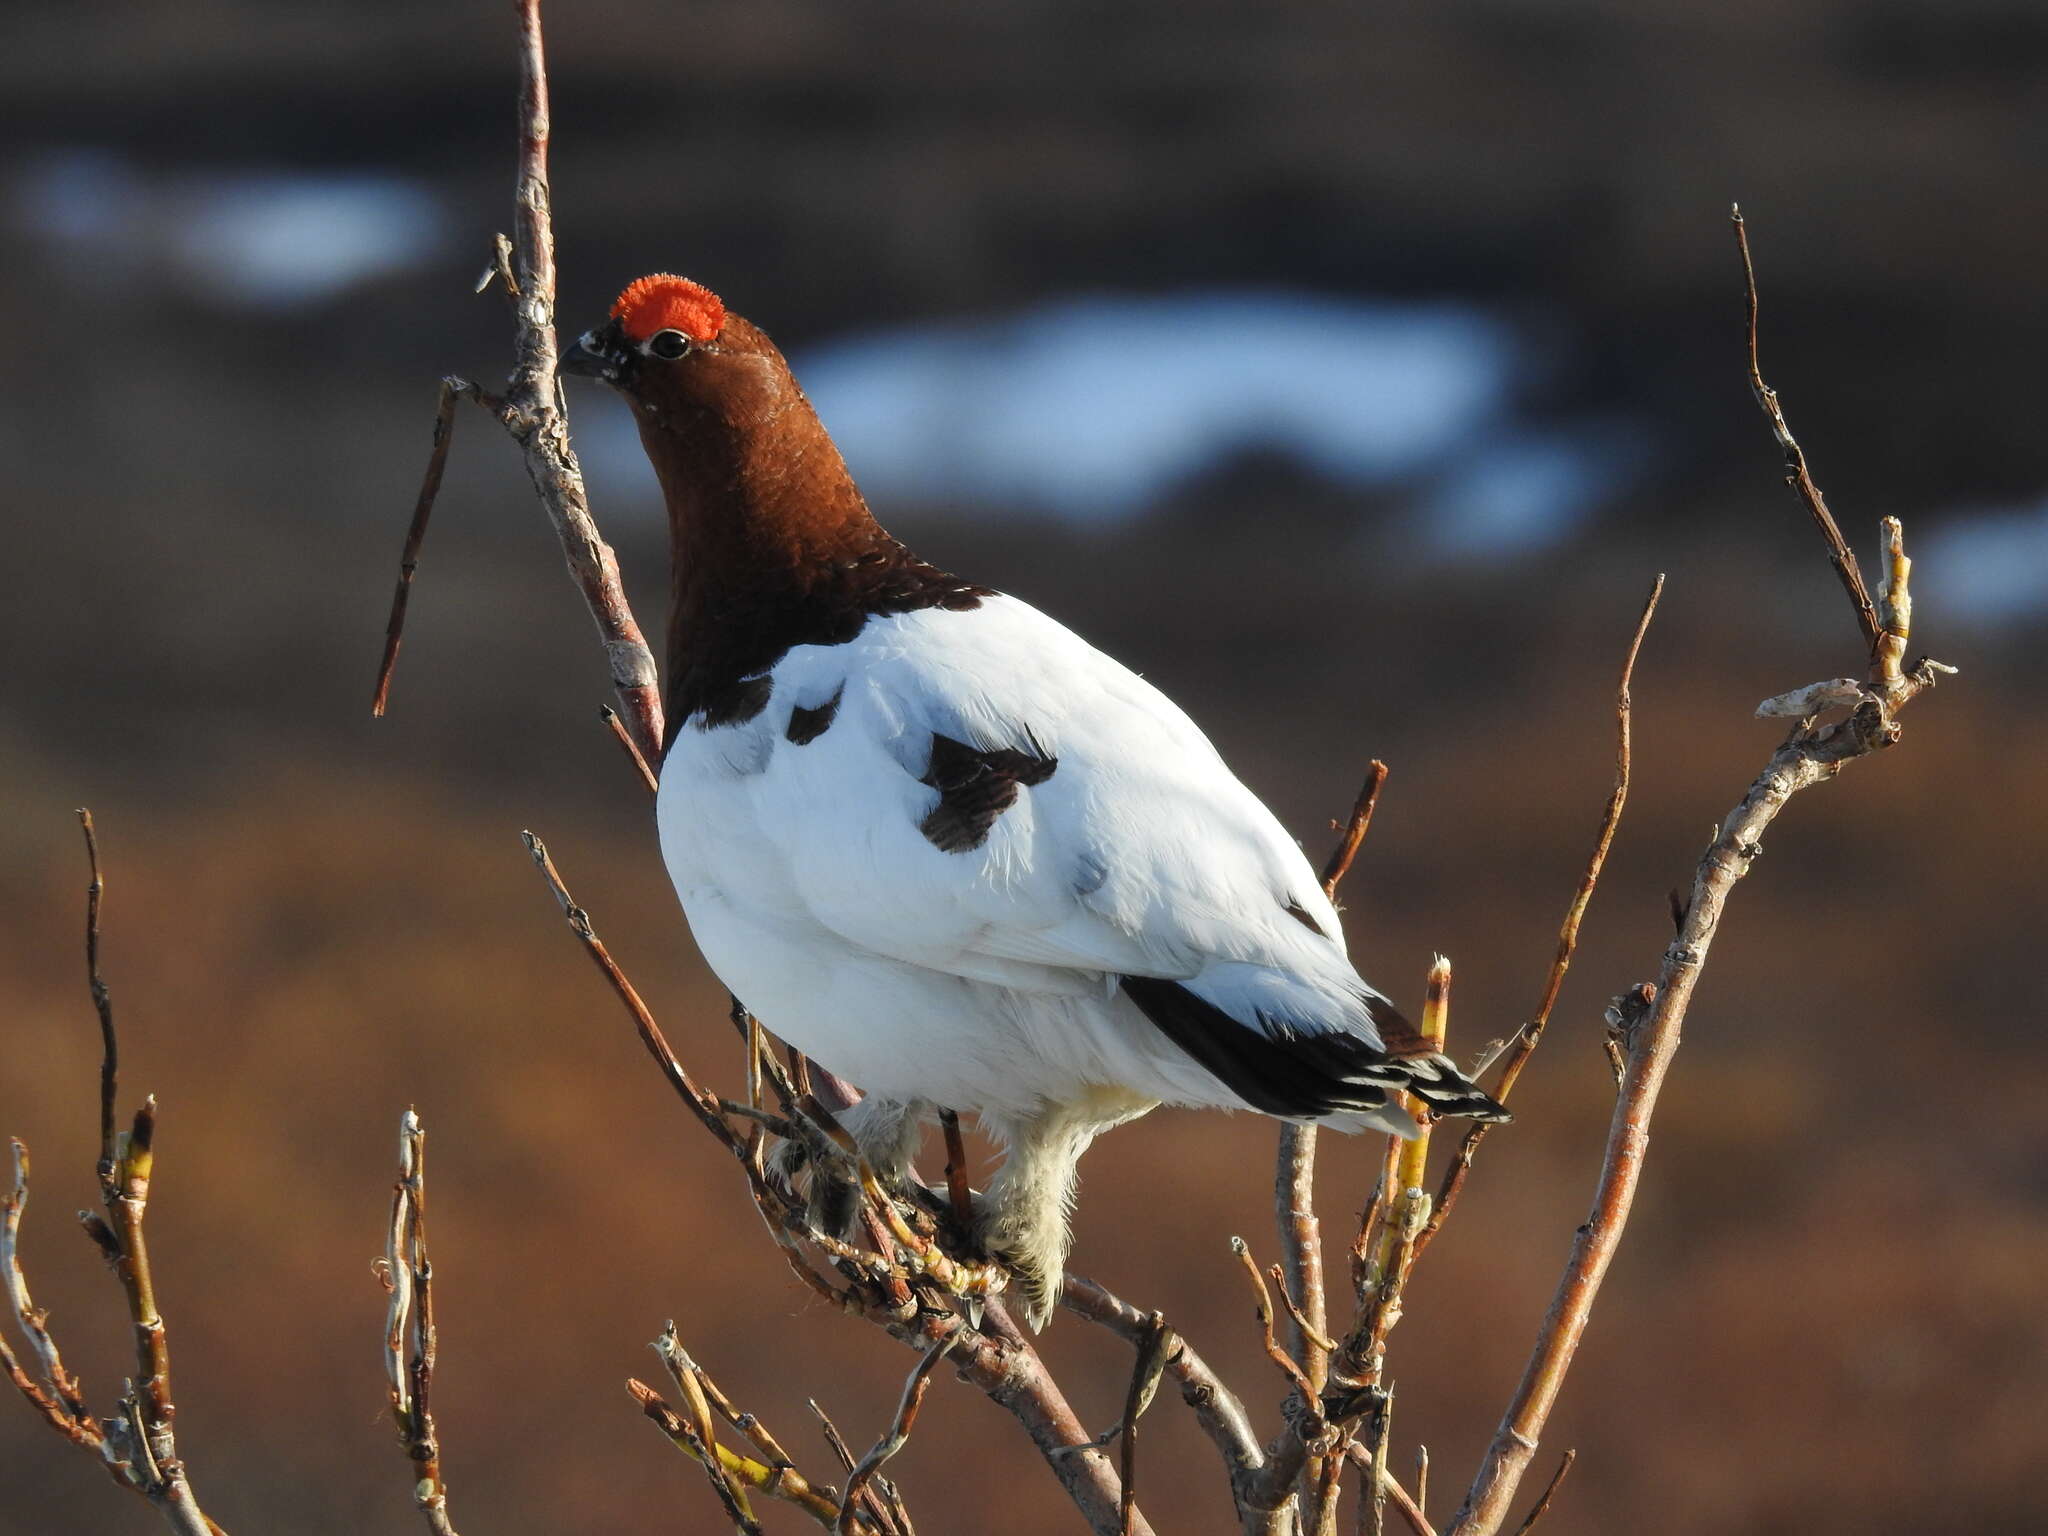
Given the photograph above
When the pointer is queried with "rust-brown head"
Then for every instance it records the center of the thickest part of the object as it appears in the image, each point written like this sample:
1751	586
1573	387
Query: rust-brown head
674	350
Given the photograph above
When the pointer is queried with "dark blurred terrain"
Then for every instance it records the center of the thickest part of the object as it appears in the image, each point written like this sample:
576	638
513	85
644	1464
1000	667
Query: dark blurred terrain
1829	1313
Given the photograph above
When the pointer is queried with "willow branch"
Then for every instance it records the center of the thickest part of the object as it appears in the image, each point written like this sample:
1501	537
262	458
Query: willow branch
533	412
410	1339
1812	756
1796	473
888	1283
1217	1409
136	1442
1526	1039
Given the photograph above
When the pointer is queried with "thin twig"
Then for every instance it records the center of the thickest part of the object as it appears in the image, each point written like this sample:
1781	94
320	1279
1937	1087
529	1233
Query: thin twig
411	1341
958	1194
1217	1409
1564	1465
1796	474
452	390
1525	1042
1339	863
1810	757
1304	1287
103	1005
1146	1370
780	1480
898	1433
59	1389
703	1104
1404	1502
630	747
532	412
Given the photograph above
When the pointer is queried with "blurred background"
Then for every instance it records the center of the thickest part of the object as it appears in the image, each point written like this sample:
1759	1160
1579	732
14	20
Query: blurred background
1349	371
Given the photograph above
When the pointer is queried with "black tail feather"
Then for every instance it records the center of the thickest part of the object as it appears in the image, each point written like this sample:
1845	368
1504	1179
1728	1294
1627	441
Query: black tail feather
1301	1076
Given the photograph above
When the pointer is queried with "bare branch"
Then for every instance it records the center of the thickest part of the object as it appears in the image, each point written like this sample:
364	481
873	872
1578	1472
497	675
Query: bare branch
703	1105
1525	1042
1409	1507
1564	1465
630	747
1796	475
1304	1287
136	1444
1217	1409
1339	863
410	1339
780	1480
898	1433
1810	757
58	1396
1146	1369
532	411
452	390
103	1005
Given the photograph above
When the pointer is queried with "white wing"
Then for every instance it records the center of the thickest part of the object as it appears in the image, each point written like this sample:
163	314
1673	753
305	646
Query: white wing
1136	853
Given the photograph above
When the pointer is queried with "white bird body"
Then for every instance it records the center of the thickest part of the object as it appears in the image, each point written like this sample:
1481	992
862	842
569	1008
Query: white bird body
988	979
947	848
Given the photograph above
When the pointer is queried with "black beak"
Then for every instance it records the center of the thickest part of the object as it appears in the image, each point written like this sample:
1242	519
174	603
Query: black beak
590	356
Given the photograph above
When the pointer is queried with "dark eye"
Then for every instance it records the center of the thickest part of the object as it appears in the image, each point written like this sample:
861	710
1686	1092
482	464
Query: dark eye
668	344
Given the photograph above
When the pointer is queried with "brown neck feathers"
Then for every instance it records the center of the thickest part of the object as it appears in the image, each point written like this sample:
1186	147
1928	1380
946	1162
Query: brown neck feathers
771	541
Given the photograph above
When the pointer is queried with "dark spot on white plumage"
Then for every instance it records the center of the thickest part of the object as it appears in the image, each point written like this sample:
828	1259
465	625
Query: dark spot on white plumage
975	787
807	725
1090	875
734	704
1300	914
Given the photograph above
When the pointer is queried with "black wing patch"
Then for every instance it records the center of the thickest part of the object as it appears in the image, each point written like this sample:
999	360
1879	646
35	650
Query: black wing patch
735	704
807	725
1300	914
1301	1076
975	787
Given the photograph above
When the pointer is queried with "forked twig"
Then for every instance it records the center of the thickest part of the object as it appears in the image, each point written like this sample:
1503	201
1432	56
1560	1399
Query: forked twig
136	1443
897	1435
1812	755
532	411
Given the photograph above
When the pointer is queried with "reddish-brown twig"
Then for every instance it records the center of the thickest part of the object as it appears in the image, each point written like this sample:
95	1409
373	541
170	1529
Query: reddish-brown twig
1811	756
532	411
1526	1039
452	390
1796	474
1146	1369
630	747
959	1196
897	1435
1301	1241
136	1442
103	1005
998	1360
1542	1507
703	1105
1217	1409
1338	865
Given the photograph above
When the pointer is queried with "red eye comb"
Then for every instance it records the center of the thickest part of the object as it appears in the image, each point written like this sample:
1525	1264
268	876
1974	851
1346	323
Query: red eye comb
662	301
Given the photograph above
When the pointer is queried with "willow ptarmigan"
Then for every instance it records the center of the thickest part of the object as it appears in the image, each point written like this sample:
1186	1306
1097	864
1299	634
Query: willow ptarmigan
945	846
